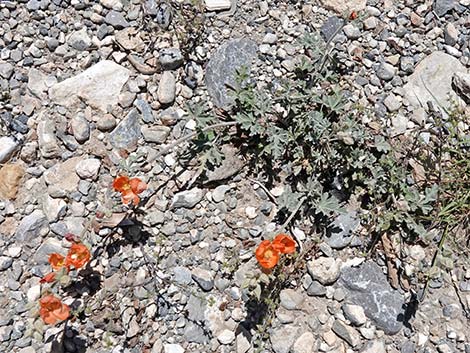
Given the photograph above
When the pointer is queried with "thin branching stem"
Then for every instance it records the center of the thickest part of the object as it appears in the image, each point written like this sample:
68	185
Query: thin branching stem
190	136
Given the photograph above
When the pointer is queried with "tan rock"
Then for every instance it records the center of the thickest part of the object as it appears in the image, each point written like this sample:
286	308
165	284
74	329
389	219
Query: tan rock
10	178
344	7
63	176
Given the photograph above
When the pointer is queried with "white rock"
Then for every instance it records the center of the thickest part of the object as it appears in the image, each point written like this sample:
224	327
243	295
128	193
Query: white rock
355	314
188	198
88	168
399	124
226	337
14	251
374	347
251	212
99	86
217	5
8	145
305	343
325	270
33	293
242	343
173	348
112	4
53	208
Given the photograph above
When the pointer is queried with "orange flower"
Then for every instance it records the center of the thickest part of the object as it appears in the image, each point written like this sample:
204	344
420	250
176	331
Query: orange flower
266	254
129	188
77	256
52	310
50	277
57	261
284	244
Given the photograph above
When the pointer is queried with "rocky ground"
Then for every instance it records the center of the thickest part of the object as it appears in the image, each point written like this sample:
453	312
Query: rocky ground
87	86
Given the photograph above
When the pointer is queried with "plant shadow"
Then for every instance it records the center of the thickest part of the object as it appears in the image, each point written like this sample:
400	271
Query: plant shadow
67	341
257	311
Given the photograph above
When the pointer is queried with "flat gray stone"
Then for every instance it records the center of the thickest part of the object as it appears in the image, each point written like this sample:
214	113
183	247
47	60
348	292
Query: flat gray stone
155	134
79	40
291	299
204	278
195	333
116	19
230	166
32	226
432	80
50	246
368	287
170	58
283	338
182	275
127	133
196	308
342	229
6	70
222	68
188	198
5	262
145	109
347	333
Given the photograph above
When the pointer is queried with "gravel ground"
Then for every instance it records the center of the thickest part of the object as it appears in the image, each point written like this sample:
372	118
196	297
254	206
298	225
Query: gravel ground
86	84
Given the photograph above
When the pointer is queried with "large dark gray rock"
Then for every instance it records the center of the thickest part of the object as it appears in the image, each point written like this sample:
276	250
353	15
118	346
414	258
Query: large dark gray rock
367	286
222	68
127	133
441	7
330	27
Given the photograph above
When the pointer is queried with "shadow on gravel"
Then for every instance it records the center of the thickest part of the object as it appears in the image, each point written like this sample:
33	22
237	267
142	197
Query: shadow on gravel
410	309
257	311
67	341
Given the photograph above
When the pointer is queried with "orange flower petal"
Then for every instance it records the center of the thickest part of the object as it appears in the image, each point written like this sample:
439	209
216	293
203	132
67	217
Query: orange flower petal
121	183
137	185
267	255
50	277
77	256
56	261
284	244
52	309
128	197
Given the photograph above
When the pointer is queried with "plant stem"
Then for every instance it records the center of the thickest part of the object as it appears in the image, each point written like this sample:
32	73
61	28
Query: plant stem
434	259
190	136
297	208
